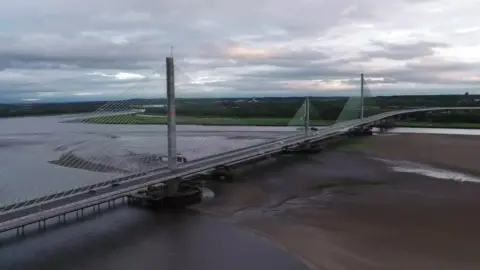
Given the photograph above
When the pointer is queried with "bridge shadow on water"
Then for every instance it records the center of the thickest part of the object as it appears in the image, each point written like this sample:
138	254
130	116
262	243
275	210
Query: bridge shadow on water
132	238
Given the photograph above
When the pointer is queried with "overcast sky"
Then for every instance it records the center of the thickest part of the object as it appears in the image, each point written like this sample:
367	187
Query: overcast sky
100	49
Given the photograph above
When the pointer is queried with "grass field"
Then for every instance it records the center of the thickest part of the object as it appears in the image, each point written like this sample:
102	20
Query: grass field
134	119
186	120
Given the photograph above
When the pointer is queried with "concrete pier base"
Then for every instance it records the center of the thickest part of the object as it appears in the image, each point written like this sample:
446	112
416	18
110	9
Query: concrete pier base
172	186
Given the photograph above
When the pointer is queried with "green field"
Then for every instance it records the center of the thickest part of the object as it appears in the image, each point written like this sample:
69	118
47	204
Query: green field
187	120
132	119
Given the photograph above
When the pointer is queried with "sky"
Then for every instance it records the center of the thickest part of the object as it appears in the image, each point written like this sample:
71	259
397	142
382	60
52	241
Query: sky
109	49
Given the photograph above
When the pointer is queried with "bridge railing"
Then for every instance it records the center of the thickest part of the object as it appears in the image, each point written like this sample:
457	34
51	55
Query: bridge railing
251	154
87	188
229	154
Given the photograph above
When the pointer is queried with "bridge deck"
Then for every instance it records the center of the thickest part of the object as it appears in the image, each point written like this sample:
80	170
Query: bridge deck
30	212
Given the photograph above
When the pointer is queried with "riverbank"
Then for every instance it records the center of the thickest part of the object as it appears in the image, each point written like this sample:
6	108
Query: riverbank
135	119
138	119
343	209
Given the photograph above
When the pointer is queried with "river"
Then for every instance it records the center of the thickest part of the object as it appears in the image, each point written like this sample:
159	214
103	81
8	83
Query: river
28	144
128	238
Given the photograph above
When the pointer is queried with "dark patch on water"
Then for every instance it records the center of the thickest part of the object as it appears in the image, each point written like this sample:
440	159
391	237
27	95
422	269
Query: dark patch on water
136	239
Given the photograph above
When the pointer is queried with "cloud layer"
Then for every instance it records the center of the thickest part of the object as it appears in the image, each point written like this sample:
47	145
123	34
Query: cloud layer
57	49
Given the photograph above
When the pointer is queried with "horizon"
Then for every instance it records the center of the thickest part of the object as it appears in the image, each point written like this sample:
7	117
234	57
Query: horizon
240	98
112	50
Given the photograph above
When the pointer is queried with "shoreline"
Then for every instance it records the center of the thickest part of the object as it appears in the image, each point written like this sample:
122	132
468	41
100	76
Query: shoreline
259	122
132	119
223	121
408	221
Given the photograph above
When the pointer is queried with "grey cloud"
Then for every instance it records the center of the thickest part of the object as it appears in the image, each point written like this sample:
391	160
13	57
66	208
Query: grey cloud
287	59
61	38
418	1
427	73
91	52
382	80
438	65
86	36
402	51
432	72
309	71
80	51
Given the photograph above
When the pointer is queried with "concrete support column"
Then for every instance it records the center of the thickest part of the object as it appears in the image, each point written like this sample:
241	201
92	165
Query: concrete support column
172	129
307	117
361	96
172	186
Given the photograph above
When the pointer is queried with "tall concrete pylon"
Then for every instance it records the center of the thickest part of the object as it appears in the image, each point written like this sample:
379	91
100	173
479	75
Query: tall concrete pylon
171	117
362	97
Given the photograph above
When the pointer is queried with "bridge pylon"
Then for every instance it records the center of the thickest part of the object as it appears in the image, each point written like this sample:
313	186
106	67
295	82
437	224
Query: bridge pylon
171	116
307	116
362	103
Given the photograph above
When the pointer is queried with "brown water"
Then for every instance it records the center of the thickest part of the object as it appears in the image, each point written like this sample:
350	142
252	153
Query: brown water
129	238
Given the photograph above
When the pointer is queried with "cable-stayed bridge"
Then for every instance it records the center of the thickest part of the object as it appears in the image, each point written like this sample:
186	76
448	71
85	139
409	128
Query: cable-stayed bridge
38	210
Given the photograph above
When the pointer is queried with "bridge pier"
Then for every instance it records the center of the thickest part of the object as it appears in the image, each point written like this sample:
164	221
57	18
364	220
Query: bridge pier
174	194
222	173
62	218
303	148
40	227
360	131
172	186
385	124
21	231
111	203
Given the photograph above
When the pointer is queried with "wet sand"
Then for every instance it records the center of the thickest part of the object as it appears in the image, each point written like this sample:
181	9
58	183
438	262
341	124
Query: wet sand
398	221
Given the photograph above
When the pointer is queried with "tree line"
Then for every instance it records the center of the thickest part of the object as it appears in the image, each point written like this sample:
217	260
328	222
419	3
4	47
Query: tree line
321	108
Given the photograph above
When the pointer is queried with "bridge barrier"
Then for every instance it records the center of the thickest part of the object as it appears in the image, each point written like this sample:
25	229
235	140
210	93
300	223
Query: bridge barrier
83	189
68	208
221	159
74	191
